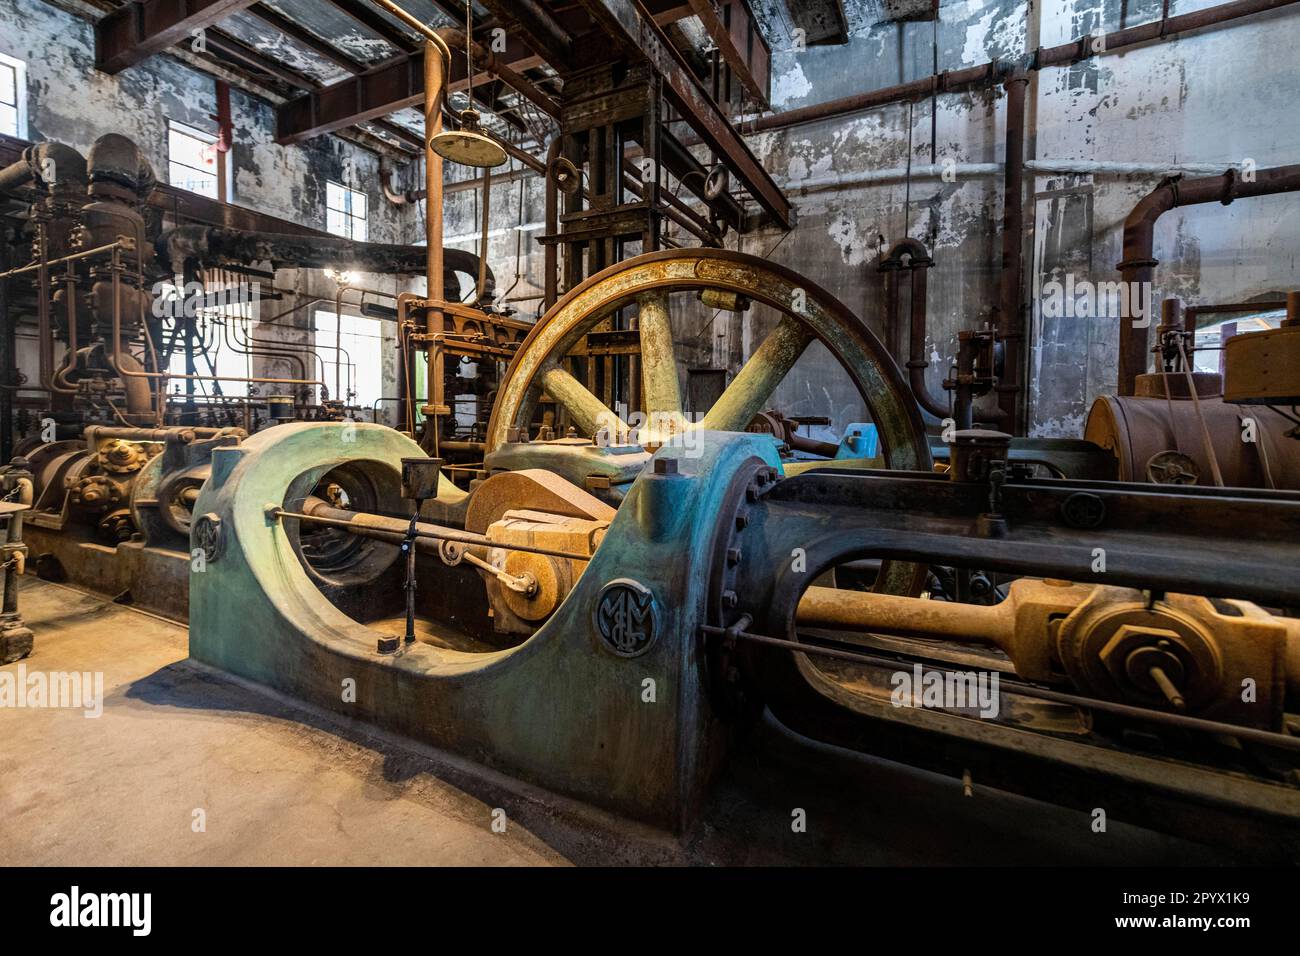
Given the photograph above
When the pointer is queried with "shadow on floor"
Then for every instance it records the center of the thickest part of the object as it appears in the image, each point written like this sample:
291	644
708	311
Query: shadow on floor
858	810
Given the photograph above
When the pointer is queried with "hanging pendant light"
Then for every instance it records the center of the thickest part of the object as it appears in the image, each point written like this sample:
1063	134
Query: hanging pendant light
468	145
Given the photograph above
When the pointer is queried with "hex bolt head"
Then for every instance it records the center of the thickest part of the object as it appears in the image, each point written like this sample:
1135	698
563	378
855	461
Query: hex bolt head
730	599
742	521
733	555
665	466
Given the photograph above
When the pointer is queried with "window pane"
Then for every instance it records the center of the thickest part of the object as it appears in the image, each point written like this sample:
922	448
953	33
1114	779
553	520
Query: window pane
194	180
345	211
8	120
190	151
362	355
8	85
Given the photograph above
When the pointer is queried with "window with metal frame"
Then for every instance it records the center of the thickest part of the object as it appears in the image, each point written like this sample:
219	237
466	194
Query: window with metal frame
13	97
192	159
345	211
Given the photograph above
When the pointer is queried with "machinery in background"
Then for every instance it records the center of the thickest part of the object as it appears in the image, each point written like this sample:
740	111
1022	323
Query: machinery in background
16	638
118	305
466	350
603	616
1185	427
112	510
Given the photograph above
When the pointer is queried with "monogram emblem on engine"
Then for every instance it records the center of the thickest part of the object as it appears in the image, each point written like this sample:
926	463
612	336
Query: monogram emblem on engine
625	617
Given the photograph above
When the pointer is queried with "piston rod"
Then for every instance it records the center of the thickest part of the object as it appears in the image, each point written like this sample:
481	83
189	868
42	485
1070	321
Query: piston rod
394	530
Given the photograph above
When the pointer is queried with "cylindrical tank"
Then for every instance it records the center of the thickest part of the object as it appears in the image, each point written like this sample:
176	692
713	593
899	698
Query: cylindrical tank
1138	428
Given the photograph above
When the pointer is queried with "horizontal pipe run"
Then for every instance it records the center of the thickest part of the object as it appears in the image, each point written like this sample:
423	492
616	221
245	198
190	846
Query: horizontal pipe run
990	74
107	247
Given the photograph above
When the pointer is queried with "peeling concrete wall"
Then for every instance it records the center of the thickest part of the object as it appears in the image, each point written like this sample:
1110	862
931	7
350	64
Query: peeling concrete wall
1222	95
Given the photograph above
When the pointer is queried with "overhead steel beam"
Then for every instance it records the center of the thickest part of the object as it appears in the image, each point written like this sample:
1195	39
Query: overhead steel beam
400	133
730	24
241	53
139	30
369	96
541	32
638	36
374	21
304	37
385	89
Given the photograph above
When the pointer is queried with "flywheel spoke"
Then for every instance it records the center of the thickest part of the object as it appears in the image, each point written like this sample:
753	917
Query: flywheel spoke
588	412
663	393
750	390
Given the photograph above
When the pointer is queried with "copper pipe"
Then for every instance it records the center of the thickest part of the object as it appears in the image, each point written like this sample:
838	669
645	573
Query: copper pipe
550	251
1139	263
483	242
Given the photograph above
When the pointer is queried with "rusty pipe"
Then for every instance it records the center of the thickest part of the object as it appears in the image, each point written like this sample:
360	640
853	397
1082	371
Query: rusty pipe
1138	265
481	286
1011	313
990	74
911	255
550	251
434	65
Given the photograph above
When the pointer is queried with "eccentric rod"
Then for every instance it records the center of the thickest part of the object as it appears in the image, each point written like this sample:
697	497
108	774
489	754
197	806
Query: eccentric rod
1027	690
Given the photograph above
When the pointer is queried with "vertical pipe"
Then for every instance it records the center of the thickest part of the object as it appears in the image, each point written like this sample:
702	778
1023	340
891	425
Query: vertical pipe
1011	324
550	253
483	242
433	94
433	177
225	135
8	385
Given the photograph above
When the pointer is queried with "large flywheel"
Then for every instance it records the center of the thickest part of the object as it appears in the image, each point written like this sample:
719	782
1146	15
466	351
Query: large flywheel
646	282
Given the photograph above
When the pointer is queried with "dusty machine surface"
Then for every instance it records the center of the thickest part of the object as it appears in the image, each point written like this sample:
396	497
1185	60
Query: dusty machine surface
602	613
112	511
130	307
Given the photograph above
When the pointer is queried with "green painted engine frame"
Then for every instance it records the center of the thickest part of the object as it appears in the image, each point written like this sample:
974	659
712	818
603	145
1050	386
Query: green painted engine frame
560	710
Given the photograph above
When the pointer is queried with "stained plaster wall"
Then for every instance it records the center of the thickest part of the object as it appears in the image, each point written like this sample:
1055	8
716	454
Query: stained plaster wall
1218	96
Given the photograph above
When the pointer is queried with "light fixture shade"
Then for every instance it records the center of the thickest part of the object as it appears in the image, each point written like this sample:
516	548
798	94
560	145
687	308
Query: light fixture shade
467	145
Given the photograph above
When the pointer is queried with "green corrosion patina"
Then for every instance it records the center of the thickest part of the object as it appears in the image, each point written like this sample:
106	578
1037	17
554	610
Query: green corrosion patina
561	709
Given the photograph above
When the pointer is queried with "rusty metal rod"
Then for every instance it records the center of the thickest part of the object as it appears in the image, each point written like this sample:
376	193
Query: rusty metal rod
1266	737
379	526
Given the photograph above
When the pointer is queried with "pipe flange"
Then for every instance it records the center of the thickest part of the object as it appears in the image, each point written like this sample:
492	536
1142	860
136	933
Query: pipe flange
734	697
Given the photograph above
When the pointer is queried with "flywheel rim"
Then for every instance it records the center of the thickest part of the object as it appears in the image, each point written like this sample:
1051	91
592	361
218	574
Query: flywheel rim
876	376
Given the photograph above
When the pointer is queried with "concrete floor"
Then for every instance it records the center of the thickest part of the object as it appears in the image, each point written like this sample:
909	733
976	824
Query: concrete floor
280	784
